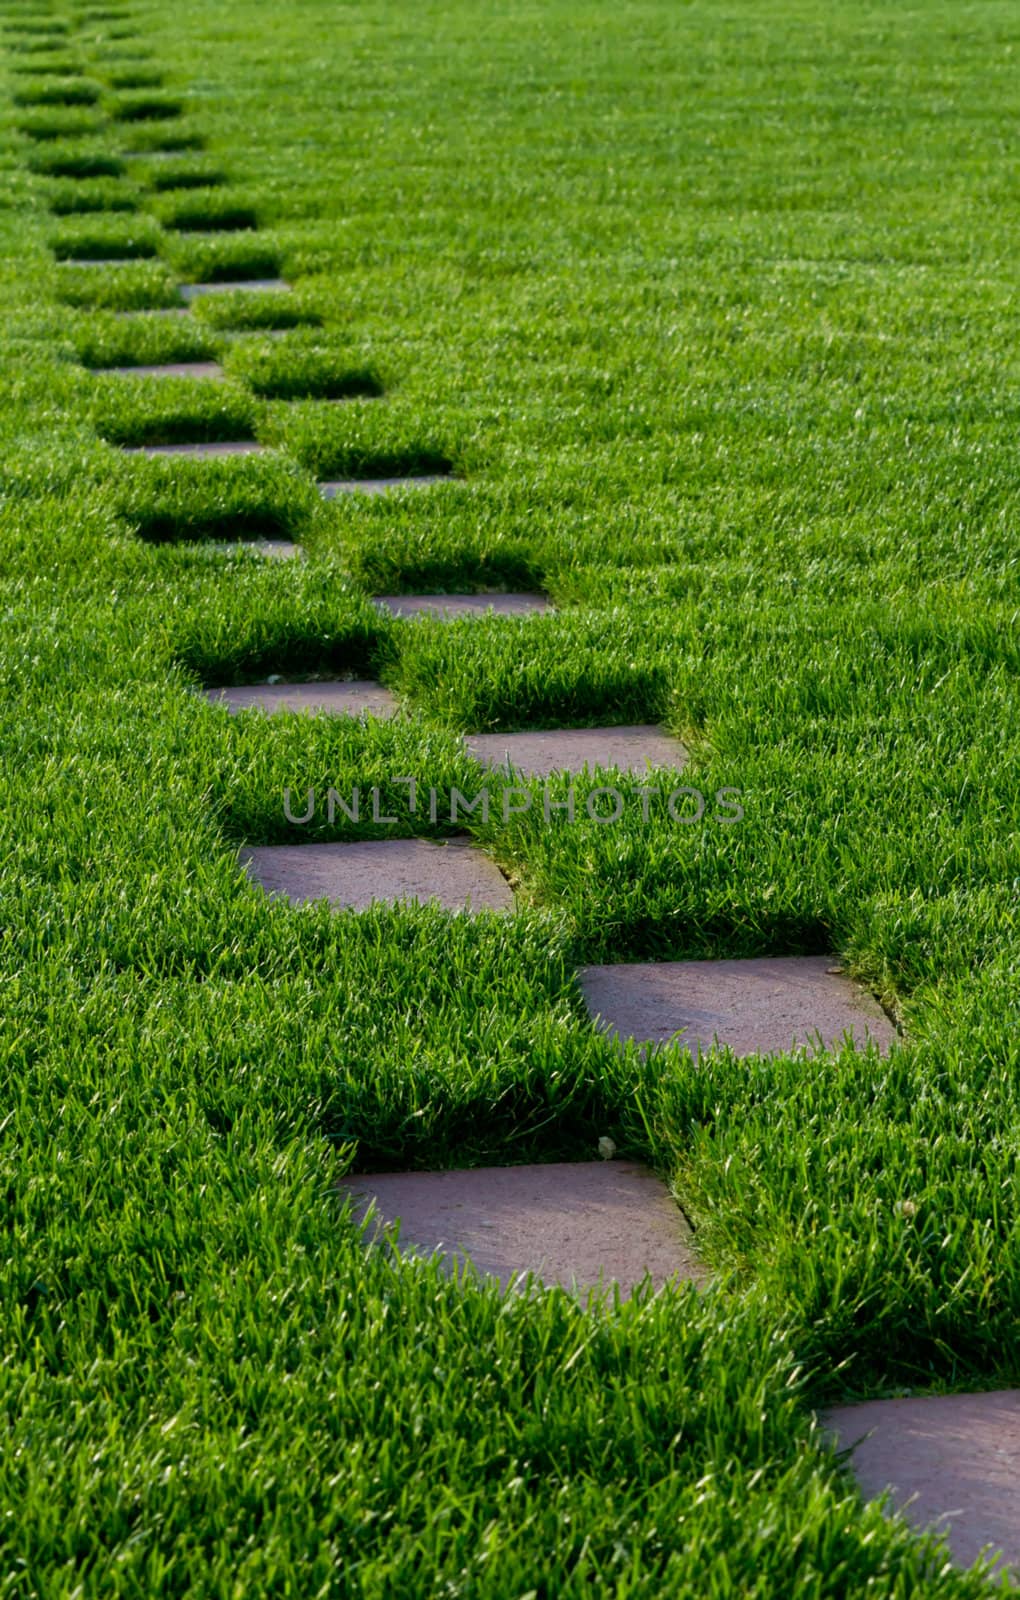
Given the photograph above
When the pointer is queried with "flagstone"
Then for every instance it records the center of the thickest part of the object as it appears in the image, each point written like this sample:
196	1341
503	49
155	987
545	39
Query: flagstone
217	447
582	1225
330	491
538	754
951	1461
192	291
344	697
270	549
389	871
172	369
760	1006
155	311
104	261
448	607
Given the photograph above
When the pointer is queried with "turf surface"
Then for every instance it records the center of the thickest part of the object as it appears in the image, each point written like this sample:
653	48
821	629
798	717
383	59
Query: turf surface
712	313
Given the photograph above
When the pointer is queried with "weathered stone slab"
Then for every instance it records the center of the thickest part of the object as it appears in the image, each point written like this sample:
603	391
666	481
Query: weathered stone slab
761	1006
634	749
171	369
354	876
218	447
450	606
342	697
952	1462
193	291
583	1225
339	486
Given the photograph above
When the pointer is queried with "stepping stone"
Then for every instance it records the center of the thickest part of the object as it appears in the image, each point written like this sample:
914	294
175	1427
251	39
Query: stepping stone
154	311
270	549
192	291
329	491
354	697
389	871
950	1460
173	369
762	1006
583	1225
540	754
232	447
103	261
450	606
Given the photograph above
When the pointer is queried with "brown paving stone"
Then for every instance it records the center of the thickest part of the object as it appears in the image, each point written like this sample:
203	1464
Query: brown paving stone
578	1224
450	606
352	697
220	447
172	369
951	1461
540	754
192	291
353	876
761	1006
329	491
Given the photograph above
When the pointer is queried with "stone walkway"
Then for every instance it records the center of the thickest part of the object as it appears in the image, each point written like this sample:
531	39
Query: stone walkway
953	1462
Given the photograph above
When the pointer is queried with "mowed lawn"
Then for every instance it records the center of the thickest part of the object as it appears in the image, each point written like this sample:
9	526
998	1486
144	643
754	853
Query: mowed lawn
711	312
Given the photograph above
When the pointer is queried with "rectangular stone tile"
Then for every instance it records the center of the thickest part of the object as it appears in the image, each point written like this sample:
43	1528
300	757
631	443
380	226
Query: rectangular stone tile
330	491
171	369
341	697
952	1462
762	1006
219	447
583	1225
390	871
102	261
269	549
156	155
447	607
155	311
539	754
192	291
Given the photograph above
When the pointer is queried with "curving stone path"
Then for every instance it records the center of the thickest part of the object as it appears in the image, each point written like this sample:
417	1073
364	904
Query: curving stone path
951	1461
583	1225
342	697
758	1007
633	749
389	871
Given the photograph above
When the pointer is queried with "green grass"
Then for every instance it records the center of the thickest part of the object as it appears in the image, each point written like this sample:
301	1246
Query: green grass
711	313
